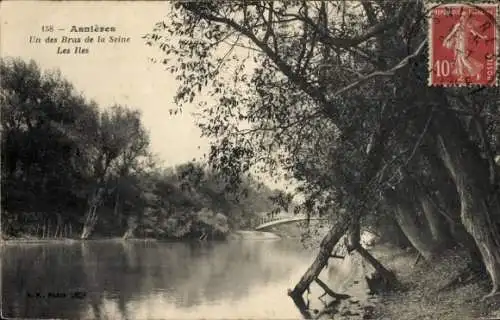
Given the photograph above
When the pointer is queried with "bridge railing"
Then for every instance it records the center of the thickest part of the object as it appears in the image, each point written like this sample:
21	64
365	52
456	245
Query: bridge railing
267	219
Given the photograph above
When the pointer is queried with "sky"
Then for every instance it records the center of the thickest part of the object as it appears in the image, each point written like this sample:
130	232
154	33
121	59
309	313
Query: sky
111	73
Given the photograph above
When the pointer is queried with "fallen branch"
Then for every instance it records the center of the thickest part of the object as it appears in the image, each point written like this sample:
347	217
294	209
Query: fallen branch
330	292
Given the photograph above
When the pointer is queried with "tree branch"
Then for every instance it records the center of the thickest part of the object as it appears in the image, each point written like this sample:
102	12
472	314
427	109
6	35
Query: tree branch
315	93
367	6
389	72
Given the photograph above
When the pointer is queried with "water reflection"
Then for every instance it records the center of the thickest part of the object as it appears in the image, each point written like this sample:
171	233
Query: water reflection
152	280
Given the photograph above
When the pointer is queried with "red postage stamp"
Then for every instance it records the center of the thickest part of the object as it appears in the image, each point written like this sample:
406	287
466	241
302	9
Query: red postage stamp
463	47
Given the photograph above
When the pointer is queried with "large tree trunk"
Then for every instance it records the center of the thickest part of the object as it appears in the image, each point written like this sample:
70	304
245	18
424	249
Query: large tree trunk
90	223
95	200
128	233
341	224
422	198
338	229
91	216
385	277
447	201
117	212
353	239
390	232
437	224
417	233
471	177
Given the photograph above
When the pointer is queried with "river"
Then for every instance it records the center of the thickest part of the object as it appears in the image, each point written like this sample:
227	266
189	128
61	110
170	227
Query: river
153	279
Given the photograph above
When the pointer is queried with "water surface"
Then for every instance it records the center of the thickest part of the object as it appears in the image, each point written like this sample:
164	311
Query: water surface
152	280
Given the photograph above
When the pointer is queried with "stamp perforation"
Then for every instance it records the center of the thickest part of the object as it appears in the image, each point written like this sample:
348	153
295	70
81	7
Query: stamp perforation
430	9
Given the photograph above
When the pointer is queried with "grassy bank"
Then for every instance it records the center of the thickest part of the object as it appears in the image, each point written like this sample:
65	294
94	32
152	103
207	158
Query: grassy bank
443	290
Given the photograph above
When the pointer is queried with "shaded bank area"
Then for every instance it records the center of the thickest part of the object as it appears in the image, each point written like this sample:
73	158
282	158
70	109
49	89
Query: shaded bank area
237	235
200	225
450	287
446	289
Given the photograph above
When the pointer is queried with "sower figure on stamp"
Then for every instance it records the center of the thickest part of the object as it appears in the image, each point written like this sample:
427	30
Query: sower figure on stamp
458	41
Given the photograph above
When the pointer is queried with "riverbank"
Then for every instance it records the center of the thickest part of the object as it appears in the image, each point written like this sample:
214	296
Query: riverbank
441	290
70	240
31	239
235	235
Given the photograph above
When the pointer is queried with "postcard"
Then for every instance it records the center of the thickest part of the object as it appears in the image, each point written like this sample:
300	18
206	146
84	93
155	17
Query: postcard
249	160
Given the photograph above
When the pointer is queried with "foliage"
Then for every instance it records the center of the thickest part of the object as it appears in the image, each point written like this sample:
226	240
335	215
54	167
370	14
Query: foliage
336	94
59	149
318	88
292	119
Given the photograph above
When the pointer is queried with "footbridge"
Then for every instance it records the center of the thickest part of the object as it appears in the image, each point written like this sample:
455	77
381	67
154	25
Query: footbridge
273	221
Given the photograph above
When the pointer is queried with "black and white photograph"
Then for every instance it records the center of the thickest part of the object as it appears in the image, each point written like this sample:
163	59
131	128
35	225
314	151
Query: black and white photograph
241	159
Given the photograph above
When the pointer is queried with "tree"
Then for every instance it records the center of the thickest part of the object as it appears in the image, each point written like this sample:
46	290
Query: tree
120	143
44	134
60	152
67	165
335	74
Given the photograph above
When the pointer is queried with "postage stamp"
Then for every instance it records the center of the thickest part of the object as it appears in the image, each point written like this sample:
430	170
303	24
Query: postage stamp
463	44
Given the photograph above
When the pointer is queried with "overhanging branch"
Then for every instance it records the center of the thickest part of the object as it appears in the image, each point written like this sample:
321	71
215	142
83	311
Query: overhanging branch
403	63
299	80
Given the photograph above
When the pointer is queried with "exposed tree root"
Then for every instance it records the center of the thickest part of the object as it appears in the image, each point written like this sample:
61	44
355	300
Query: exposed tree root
383	279
330	292
495	293
463	278
329	309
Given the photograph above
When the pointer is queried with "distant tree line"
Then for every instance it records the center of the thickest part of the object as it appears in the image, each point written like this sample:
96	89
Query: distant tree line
72	169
